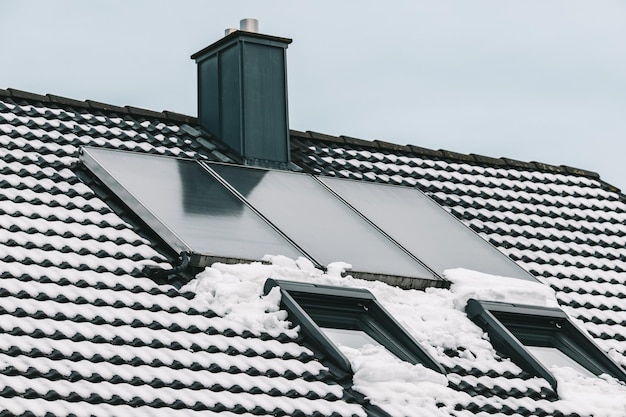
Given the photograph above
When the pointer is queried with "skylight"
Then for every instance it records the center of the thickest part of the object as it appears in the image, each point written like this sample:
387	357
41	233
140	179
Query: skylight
540	338
334	317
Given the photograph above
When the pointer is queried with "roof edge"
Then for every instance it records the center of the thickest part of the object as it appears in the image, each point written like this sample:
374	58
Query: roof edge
166	115
96	105
501	162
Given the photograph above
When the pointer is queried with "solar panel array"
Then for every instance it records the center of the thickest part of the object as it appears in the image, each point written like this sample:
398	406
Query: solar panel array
221	211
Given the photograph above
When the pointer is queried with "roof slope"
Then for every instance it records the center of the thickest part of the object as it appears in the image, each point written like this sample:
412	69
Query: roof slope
562	224
85	332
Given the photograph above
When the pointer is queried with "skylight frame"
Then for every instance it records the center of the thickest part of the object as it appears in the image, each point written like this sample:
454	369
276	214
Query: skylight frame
511	327
312	306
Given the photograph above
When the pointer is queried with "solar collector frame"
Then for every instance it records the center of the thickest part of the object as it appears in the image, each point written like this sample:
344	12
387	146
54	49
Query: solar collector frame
325	226
225	212
424	228
219	227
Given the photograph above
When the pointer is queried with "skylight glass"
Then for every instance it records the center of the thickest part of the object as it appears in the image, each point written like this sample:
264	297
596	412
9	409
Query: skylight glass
352	338
550	357
424	228
346	316
321	224
189	209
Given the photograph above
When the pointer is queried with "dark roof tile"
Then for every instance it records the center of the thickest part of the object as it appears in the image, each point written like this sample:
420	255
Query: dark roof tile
96	105
519	164
455	156
137	111
299	134
426	152
357	142
487	160
391	146
28	96
550	168
181	118
326	138
64	101
579	171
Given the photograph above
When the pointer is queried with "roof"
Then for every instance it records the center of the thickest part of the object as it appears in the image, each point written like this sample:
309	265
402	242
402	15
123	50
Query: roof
85	332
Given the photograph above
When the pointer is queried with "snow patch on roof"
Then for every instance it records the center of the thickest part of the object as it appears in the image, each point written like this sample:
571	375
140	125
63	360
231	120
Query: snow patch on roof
435	318
468	284
601	396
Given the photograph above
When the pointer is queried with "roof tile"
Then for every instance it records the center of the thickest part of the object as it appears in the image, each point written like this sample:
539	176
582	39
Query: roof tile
137	111
96	105
181	118
64	101
392	146
27	96
321	136
426	152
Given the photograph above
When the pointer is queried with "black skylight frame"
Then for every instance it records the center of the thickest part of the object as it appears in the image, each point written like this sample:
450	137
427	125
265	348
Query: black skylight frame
513	326
312	306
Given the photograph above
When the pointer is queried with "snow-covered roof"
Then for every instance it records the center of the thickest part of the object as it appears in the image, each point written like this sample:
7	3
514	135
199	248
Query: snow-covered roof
85	332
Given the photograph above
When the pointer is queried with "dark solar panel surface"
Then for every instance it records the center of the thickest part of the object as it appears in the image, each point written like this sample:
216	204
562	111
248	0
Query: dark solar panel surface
321	224
419	224
181	201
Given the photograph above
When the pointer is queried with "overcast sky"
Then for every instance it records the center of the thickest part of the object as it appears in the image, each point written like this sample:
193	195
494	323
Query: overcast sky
536	80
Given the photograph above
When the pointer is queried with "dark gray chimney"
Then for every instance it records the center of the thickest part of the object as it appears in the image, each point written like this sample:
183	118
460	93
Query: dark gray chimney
242	94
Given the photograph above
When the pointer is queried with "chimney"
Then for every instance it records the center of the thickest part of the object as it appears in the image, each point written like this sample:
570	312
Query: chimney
242	94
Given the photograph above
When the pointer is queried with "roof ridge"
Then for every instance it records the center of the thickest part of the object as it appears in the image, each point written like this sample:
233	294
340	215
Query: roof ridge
96	105
501	162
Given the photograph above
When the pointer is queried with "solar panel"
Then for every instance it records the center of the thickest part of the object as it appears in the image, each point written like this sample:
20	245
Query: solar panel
187	207
322	225
424	228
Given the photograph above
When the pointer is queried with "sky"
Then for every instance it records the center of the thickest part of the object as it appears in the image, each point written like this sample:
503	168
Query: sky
534	80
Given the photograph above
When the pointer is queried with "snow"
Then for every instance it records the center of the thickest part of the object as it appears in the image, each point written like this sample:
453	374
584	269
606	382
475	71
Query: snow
235	293
435	318
601	396
468	284
398	386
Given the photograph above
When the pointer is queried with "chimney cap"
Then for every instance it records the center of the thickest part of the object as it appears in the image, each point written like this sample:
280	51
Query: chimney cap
249	25
238	33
